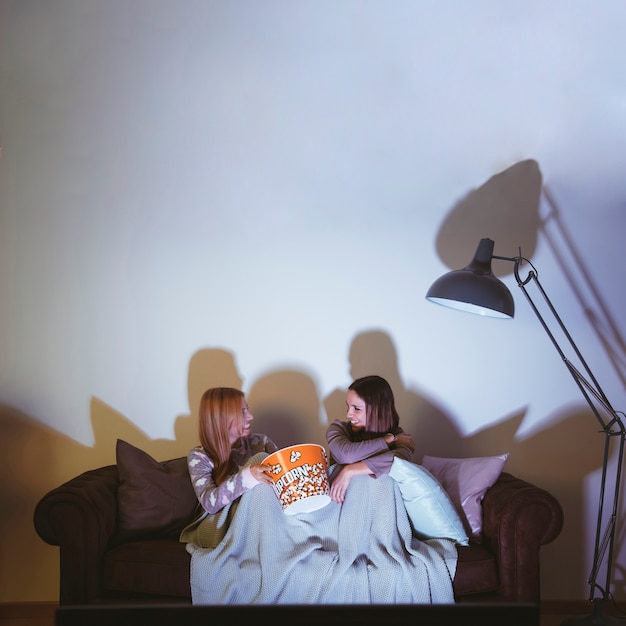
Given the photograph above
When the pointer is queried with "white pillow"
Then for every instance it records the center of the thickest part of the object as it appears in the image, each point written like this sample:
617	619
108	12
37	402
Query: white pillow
430	509
466	481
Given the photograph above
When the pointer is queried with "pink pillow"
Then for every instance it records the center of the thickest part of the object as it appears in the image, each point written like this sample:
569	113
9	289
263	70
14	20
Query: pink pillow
466	481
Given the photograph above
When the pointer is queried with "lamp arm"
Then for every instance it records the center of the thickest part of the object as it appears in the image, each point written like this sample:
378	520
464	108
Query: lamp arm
586	387
613	427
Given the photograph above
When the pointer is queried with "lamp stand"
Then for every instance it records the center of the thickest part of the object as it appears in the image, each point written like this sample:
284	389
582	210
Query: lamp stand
597	618
476	289
612	427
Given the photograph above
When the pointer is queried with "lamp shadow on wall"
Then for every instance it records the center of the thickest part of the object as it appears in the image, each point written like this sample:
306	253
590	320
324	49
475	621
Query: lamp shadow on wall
515	208
505	209
508	209
578	277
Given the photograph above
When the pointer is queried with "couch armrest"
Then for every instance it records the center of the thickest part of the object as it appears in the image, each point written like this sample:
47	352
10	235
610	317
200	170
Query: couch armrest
518	518
80	517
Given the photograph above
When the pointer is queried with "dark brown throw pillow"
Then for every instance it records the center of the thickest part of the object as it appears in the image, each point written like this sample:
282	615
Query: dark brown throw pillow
155	499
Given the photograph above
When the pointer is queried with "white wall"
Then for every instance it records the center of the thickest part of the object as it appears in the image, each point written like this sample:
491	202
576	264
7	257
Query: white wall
277	179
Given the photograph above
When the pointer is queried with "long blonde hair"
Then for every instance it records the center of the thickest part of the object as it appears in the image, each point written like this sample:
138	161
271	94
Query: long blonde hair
220	408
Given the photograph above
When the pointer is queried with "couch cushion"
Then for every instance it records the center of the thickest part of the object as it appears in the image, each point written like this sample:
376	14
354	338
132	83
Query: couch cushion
466	481
155	499
476	571
162	567
158	567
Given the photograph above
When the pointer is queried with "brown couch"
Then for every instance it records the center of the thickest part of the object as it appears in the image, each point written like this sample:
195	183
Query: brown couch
117	528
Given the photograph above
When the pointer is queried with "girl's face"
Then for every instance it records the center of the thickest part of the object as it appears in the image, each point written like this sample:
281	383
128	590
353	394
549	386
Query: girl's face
356	411
241	427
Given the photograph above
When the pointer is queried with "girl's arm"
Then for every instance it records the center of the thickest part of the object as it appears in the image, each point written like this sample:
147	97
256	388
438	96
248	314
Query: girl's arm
345	451
377	454
211	497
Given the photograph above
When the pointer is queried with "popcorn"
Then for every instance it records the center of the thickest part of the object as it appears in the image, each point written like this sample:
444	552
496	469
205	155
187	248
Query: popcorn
300	474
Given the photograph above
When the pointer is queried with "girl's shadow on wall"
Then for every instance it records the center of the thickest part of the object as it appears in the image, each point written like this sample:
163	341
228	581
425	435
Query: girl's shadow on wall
545	458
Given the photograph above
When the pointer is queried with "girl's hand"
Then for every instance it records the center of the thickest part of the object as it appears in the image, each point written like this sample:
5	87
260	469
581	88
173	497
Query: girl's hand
261	473
340	485
341	481
405	439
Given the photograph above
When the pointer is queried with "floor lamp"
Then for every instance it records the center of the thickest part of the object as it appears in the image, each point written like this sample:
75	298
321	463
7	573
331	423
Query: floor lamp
475	289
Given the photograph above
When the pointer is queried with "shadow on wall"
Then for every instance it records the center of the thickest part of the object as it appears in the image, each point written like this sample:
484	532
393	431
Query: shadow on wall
507	209
32	465
288	408
37	459
40	458
546	458
373	352
579	279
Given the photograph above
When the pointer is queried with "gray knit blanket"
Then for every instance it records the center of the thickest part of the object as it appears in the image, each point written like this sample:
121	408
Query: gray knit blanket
360	552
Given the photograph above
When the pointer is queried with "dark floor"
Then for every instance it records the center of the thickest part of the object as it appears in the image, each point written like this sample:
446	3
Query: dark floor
554	613
45	617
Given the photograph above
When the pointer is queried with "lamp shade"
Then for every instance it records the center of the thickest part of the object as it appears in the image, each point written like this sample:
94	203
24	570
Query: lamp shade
474	289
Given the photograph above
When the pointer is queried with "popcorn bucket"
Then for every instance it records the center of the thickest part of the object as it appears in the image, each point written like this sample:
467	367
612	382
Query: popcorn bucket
300	475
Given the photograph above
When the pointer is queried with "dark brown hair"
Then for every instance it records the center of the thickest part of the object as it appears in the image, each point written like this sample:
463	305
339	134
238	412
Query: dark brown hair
381	414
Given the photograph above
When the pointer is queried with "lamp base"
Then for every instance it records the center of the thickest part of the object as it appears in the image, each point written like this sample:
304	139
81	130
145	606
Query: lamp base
597	617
